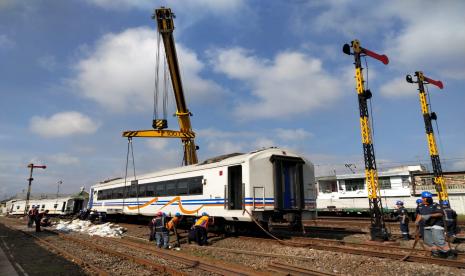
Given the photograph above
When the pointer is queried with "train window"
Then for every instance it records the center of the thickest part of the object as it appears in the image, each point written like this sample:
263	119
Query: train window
99	195
17	207
171	188
106	194
160	189
120	192
182	187
55	206
142	189
150	190
133	191
195	185
43	206
111	194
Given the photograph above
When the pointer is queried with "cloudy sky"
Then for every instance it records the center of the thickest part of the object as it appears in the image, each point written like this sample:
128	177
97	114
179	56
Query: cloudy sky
75	74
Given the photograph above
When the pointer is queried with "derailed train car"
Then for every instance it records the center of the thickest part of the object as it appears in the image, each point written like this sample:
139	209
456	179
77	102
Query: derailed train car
271	185
62	206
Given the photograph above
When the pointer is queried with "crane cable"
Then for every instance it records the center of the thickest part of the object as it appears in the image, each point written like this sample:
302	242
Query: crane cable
157	78
130	148
156	92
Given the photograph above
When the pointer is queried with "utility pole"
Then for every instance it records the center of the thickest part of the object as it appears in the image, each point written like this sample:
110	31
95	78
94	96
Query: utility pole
31	166
58	191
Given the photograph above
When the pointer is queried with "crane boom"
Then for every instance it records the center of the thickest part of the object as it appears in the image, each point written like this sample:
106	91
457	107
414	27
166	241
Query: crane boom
164	18
378	228
438	179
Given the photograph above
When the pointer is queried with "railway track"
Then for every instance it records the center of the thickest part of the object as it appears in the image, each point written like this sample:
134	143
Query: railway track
375	251
92	268
188	262
127	252
288	269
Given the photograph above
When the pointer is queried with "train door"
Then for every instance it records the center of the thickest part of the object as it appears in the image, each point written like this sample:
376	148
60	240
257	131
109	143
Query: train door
77	205
235	190
288	182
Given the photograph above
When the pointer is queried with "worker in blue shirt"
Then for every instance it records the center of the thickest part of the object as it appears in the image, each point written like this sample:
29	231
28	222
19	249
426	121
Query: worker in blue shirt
450	220
402	216
432	216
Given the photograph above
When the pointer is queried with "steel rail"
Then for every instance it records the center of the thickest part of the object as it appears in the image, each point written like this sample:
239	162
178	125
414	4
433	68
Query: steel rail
145	262
288	269
210	265
373	253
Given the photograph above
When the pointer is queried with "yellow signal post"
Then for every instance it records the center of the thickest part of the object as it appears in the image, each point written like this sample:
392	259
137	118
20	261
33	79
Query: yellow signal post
378	231
428	116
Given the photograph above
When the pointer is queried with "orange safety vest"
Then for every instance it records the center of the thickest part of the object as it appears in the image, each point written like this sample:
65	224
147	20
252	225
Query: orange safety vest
172	223
203	222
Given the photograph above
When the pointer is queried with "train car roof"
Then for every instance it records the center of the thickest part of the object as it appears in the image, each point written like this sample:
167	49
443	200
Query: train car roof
219	161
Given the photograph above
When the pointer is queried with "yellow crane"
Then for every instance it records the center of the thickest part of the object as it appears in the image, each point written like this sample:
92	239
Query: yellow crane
378	228
438	179
164	18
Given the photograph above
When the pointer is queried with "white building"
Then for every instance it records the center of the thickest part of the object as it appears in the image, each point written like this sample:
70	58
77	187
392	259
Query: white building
348	192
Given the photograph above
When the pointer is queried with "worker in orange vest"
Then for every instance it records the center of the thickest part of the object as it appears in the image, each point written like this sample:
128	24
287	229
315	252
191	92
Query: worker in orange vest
201	229
172	226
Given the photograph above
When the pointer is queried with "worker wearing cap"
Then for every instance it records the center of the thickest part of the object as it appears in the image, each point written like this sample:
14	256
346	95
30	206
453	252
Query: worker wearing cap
450	220
201	229
172	226
402	215
432	216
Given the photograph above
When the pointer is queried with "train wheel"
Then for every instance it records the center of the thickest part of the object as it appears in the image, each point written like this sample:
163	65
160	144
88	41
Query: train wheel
230	229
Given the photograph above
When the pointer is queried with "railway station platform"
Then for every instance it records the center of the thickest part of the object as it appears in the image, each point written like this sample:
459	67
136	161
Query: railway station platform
6	267
21	255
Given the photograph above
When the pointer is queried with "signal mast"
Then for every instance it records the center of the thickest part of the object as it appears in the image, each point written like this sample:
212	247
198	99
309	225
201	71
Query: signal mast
438	179
378	231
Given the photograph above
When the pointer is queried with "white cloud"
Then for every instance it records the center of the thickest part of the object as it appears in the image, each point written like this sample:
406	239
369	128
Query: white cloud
63	124
292	83
6	42
263	142
220	142
157	144
48	62
119	73
398	88
432	41
188	5
292	134
64	159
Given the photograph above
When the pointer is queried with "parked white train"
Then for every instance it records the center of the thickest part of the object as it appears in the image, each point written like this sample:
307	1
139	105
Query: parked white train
56	206
274	185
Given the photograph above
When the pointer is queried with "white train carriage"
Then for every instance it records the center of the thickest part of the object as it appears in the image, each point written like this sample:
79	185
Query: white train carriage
56	206
274	185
